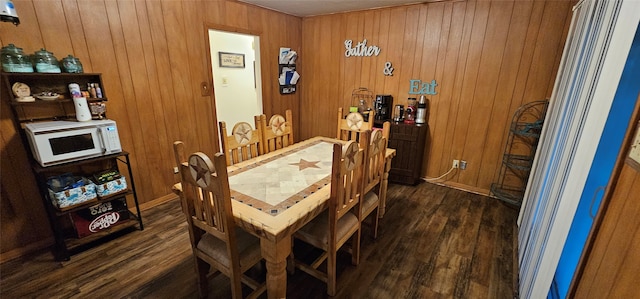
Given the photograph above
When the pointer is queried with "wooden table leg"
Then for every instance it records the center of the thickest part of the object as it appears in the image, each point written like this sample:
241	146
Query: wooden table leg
275	255
383	187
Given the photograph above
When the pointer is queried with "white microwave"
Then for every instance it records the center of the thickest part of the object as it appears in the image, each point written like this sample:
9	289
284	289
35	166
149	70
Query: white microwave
57	142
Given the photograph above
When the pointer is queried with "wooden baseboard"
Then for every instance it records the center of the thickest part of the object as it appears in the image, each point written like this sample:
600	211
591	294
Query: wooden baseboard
22	251
158	201
462	187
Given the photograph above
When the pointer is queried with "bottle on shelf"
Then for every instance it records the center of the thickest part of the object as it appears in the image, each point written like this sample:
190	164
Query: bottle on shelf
92	90
98	90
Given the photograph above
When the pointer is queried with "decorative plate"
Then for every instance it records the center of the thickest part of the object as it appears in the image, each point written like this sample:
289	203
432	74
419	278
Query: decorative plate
21	90
48	96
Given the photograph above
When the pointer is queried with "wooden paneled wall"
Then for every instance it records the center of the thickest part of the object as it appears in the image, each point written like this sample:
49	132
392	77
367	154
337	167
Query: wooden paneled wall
153	56
488	58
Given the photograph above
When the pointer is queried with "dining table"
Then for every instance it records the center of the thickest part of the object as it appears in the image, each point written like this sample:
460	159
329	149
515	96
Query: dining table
275	194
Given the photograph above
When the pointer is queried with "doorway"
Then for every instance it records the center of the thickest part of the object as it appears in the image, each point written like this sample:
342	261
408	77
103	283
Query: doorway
237	84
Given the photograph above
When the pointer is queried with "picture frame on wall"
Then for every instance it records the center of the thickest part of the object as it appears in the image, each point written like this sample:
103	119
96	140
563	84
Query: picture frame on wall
633	158
232	60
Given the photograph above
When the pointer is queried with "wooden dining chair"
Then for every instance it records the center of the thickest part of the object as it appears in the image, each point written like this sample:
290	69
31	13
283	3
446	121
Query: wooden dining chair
277	132
350	127
385	130
215	239
340	222
244	142
375	146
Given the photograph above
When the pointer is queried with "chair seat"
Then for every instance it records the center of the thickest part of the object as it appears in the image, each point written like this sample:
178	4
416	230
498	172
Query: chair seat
248	248
370	202
318	228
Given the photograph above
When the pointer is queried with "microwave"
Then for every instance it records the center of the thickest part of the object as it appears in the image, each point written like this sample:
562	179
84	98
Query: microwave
57	142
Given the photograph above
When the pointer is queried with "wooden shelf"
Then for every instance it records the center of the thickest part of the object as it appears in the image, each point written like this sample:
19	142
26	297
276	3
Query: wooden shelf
39	168
55	102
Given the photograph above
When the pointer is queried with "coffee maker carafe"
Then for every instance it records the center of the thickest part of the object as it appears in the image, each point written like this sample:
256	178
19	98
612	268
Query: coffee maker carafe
382	106
398	113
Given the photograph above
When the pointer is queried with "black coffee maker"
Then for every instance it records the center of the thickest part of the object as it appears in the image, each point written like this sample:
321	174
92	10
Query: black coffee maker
382	106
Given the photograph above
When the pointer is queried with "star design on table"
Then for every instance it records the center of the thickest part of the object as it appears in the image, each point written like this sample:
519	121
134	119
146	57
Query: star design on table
354	120
304	164
200	171
278	124
242	133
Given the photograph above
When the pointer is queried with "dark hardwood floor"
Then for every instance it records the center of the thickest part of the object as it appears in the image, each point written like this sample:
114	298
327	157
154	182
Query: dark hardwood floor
434	242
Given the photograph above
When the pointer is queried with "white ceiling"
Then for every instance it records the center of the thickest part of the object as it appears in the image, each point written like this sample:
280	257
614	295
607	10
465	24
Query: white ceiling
304	8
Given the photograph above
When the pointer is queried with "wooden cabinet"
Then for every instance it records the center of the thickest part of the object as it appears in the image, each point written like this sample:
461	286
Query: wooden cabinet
409	141
102	218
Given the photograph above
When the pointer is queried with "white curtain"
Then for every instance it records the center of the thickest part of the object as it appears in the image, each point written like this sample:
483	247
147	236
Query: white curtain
599	39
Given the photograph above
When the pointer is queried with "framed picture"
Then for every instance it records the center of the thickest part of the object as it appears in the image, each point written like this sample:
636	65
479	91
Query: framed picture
231	59
633	159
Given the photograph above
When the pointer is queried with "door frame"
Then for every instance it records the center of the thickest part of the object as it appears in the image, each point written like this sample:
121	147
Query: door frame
208	86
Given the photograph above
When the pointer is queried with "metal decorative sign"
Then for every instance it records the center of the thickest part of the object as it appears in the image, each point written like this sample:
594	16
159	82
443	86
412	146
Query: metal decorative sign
360	49
419	87
388	69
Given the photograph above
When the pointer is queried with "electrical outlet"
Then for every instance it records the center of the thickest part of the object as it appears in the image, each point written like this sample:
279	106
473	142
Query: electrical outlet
455	164
175	170
463	165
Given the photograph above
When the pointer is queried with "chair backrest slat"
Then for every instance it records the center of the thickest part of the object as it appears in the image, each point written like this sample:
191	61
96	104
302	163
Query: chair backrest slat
346	179
374	159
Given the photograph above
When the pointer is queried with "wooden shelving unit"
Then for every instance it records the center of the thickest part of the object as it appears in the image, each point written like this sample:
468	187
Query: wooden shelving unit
67	241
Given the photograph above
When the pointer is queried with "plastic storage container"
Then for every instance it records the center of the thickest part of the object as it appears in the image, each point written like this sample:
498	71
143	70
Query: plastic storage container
73	196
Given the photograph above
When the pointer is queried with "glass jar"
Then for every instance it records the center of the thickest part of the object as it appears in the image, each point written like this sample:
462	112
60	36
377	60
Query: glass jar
71	64
14	60
364	109
45	62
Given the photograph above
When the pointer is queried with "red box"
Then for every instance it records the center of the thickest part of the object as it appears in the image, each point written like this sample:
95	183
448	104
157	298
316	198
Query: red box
99	217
